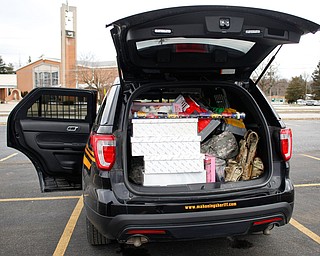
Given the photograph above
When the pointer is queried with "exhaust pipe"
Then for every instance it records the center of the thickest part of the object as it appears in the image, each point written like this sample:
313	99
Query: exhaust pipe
267	231
137	240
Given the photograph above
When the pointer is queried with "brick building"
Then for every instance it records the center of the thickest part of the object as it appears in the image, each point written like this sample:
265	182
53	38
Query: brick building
41	73
8	83
47	72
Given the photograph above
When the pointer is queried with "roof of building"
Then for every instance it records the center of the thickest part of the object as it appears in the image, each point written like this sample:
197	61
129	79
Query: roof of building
8	81
97	64
43	59
89	64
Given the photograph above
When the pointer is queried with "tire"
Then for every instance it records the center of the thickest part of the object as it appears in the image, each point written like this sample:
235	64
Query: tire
94	236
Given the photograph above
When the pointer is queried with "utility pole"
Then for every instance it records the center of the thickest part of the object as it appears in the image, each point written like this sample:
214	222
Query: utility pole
305	77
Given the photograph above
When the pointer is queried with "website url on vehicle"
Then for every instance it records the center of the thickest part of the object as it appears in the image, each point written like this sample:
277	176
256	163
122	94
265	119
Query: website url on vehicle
210	206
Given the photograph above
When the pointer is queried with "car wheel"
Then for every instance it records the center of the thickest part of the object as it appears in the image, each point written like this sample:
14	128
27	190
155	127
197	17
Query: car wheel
94	236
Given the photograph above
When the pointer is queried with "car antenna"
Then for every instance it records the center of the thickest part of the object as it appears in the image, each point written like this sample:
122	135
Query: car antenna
267	66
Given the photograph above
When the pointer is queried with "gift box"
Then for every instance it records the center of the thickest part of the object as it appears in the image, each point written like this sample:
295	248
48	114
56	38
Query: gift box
165	127
173	163
210	167
166	179
166	145
171	151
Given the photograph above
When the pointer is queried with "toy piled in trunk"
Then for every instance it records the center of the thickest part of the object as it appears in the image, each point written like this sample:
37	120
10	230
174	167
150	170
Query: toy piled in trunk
246	166
185	142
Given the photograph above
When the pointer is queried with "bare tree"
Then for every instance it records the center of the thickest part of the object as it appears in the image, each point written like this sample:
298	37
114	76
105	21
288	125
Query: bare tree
94	75
270	79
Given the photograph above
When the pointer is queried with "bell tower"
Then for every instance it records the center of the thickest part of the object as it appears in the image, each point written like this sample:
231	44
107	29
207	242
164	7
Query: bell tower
68	45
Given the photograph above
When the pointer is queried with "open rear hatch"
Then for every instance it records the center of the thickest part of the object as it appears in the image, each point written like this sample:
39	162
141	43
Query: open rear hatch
201	41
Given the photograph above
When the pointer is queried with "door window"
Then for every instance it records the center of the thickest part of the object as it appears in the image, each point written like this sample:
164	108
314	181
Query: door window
59	107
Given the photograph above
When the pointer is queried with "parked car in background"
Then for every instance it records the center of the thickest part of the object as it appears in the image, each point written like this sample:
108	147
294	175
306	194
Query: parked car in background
301	102
185	146
312	103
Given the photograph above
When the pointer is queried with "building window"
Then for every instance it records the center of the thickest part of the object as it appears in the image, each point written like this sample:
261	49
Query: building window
47	79
46	75
36	79
55	78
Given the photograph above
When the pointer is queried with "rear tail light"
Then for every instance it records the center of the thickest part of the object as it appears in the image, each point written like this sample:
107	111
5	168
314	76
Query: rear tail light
104	147
146	232
194	48
267	221
286	143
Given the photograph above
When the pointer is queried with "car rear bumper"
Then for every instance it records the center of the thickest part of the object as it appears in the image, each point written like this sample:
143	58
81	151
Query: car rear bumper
192	225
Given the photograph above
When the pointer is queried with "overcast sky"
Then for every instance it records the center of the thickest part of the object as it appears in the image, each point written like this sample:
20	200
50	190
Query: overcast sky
32	28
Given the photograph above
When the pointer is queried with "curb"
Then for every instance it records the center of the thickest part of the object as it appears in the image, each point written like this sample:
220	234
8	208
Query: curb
296	118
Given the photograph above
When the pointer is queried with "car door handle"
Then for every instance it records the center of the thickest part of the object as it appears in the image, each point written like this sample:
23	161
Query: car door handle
72	128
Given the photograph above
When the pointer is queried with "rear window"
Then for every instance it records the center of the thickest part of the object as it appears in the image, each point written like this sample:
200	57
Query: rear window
196	45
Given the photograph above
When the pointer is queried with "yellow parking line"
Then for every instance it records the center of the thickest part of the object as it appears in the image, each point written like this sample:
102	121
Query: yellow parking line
6	158
313	157
307	185
305	231
67	233
38	198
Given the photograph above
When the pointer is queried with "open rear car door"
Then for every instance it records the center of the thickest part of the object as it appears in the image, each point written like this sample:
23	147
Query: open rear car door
51	127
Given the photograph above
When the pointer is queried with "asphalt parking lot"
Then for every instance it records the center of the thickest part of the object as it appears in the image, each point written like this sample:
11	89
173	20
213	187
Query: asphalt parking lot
33	223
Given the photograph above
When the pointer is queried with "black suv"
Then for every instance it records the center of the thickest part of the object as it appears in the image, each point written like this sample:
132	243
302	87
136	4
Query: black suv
163	158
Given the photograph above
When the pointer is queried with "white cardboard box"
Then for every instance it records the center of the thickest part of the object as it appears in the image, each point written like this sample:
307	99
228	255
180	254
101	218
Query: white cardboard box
173	163
165	127
166	145
171	150
165	179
